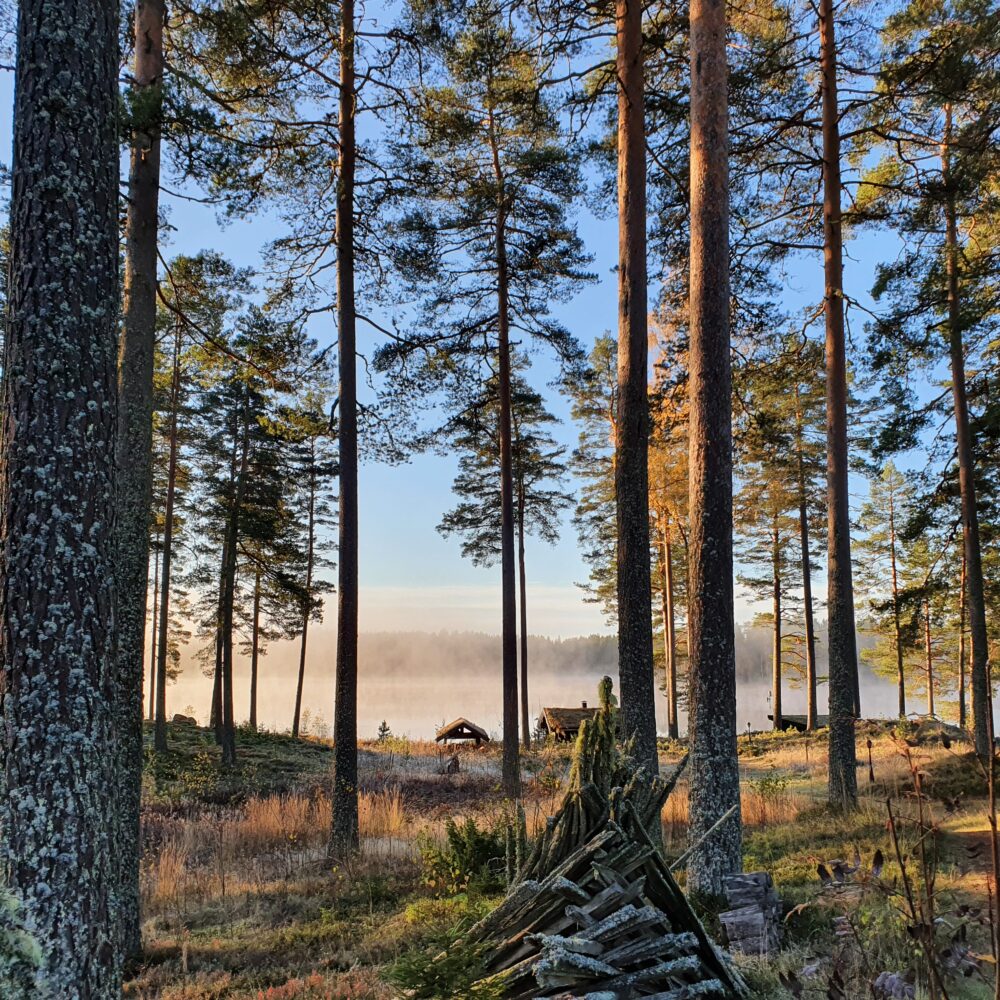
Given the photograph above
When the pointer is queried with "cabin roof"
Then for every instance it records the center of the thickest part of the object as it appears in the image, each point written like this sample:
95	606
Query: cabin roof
563	720
449	731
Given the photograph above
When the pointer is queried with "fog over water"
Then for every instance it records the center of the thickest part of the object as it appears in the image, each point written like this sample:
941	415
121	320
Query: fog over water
418	680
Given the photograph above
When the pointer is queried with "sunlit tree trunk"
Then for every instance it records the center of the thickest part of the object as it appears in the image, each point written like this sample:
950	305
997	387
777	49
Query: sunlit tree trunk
134	451
842	643
669	635
58	637
715	785
635	612
777	612
929	656
812	708
976	595
255	650
307	603
153	634
344	835
523	589
160	723
897	625
962	615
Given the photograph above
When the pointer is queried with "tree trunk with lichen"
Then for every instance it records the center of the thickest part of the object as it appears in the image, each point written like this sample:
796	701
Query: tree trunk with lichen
58	641
635	611
715	785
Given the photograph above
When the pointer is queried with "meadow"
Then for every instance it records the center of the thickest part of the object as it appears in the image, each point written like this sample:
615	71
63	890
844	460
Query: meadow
240	900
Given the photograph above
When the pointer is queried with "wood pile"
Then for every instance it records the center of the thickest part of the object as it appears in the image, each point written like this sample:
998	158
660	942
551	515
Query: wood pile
594	912
753	925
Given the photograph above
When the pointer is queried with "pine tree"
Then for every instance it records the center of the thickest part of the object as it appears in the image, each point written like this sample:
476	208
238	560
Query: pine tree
485	242
57	499
715	785
539	497
935	123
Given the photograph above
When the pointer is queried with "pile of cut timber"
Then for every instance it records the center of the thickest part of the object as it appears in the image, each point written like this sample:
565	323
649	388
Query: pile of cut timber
753	925
594	911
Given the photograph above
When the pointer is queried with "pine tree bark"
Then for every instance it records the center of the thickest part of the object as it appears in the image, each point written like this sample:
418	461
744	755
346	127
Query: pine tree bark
715	785
255	650
307	602
812	707
929	657
511	764
842	643
134	452
670	635
976	595
896	610
58	638
777	612
962	615
153	634
344	834
635	611
160	723
523	594
230	554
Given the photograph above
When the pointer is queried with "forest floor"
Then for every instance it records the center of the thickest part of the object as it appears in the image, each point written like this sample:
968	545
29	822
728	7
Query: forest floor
240	901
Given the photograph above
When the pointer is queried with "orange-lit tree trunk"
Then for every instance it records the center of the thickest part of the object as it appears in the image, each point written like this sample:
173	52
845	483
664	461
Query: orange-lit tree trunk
669	635
976	596
160	723
842	645
635	612
715	786
134	450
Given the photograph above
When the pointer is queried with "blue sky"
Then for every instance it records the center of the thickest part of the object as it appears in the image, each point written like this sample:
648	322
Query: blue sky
411	577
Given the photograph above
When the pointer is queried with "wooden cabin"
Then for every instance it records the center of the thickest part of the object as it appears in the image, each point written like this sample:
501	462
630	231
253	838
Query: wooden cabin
564	723
462	729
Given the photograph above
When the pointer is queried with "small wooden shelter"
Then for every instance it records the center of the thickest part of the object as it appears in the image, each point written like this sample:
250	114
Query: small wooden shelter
564	723
462	729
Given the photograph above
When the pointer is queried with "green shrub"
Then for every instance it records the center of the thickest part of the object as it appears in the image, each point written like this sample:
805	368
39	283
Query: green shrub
470	859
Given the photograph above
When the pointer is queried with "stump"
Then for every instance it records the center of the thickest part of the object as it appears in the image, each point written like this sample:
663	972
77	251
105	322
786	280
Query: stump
753	925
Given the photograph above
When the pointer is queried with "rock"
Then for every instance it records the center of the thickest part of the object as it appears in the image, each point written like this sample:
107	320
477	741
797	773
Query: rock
184	720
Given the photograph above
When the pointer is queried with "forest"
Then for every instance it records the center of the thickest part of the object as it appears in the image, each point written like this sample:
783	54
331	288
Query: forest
772	425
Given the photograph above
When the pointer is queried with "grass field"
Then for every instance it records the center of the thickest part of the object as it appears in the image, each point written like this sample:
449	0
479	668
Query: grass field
240	901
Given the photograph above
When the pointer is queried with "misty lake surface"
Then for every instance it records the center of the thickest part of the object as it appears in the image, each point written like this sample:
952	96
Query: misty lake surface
418	681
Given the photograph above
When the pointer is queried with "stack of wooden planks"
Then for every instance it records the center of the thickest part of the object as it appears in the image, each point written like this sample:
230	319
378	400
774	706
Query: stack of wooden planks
753	925
594	911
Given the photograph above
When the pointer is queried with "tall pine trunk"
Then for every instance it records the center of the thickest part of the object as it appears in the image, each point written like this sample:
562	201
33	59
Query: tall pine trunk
777	612
153	634
929	657
812	708
896	610
523	594
962	614
842	645
229	566
976	596
255	650
511	766
134	450
635	611
307	601
160	724
344	834
715	780
58	637
669	636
